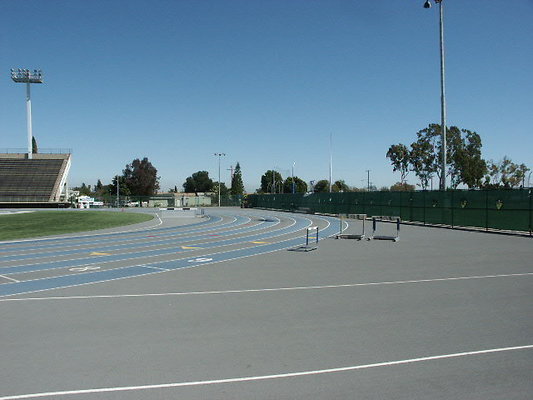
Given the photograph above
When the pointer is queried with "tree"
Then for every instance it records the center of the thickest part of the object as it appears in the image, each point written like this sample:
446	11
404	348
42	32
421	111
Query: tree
141	177
400	158
299	185
322	186
124	190
271	182
340	186
424	154
198	182
472	167
83	189
237	186
505	174
463	156
224	191
402	187
34	148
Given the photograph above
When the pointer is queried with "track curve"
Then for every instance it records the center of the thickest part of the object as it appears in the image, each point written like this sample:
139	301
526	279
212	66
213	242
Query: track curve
224	234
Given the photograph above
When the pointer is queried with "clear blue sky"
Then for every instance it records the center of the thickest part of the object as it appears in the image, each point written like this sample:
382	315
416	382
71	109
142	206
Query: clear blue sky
265	82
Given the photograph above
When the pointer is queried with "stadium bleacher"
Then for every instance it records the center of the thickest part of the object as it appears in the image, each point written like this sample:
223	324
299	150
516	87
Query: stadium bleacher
37	181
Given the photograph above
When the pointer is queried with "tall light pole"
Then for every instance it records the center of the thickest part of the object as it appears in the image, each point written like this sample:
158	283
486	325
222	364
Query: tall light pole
442	185
27	76
219	155
293	183
368	180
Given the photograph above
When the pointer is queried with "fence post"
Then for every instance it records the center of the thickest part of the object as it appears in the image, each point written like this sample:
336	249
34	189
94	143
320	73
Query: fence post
486	210
452	209
424	204
530	212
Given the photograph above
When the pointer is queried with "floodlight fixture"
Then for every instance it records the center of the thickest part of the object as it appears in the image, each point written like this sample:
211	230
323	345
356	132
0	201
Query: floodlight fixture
27	76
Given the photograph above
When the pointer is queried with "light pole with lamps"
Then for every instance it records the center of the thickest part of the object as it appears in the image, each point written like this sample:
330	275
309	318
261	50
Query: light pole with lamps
27	76
442	184
219	155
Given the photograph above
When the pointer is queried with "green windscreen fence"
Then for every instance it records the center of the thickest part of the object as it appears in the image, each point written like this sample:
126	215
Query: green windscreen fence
494	209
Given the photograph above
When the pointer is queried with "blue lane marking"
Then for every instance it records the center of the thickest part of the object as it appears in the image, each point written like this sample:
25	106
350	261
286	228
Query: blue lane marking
103	249
147	253
14	288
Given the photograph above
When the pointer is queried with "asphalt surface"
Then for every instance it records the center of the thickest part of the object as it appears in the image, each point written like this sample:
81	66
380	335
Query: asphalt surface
219	308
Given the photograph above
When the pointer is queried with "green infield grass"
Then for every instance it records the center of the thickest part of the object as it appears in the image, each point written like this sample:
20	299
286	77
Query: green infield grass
46	223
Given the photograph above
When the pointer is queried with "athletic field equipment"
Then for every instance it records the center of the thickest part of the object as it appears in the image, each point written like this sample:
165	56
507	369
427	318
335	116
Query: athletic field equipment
394	238
344	234
311	240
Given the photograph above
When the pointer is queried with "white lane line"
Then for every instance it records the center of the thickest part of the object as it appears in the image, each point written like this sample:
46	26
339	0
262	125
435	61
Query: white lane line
156	268
265	377
240	291
8	278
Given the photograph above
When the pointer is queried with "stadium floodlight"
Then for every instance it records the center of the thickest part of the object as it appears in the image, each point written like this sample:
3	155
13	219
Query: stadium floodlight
27	76
219	155
442	184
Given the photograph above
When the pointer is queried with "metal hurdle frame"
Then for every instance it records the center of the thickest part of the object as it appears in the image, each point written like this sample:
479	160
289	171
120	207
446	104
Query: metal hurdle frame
360	236
309	245
385	237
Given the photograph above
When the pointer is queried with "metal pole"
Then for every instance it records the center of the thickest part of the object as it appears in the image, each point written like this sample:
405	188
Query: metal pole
219	180
330	161
118	194
443	100
368	180
28	117
293	183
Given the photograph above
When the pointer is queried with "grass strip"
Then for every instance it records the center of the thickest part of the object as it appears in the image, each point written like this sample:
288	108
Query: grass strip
46	223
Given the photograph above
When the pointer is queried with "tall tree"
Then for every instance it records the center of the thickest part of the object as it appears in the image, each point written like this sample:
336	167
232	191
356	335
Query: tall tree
322	186
237	186
299	185
34	148
472	168
124	190
224	191
271	182
340	186
505	173
400	158
198	182
141	177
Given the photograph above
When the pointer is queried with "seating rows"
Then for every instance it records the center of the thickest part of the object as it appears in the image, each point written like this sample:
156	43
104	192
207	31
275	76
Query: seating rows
28	180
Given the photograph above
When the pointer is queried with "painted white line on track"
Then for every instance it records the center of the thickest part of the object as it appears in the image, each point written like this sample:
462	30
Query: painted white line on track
156	268
139	257
155	255
264	290
266	377
8	278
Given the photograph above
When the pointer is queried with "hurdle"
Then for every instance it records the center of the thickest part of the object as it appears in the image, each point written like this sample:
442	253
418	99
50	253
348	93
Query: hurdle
311	240
394	238
357	236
